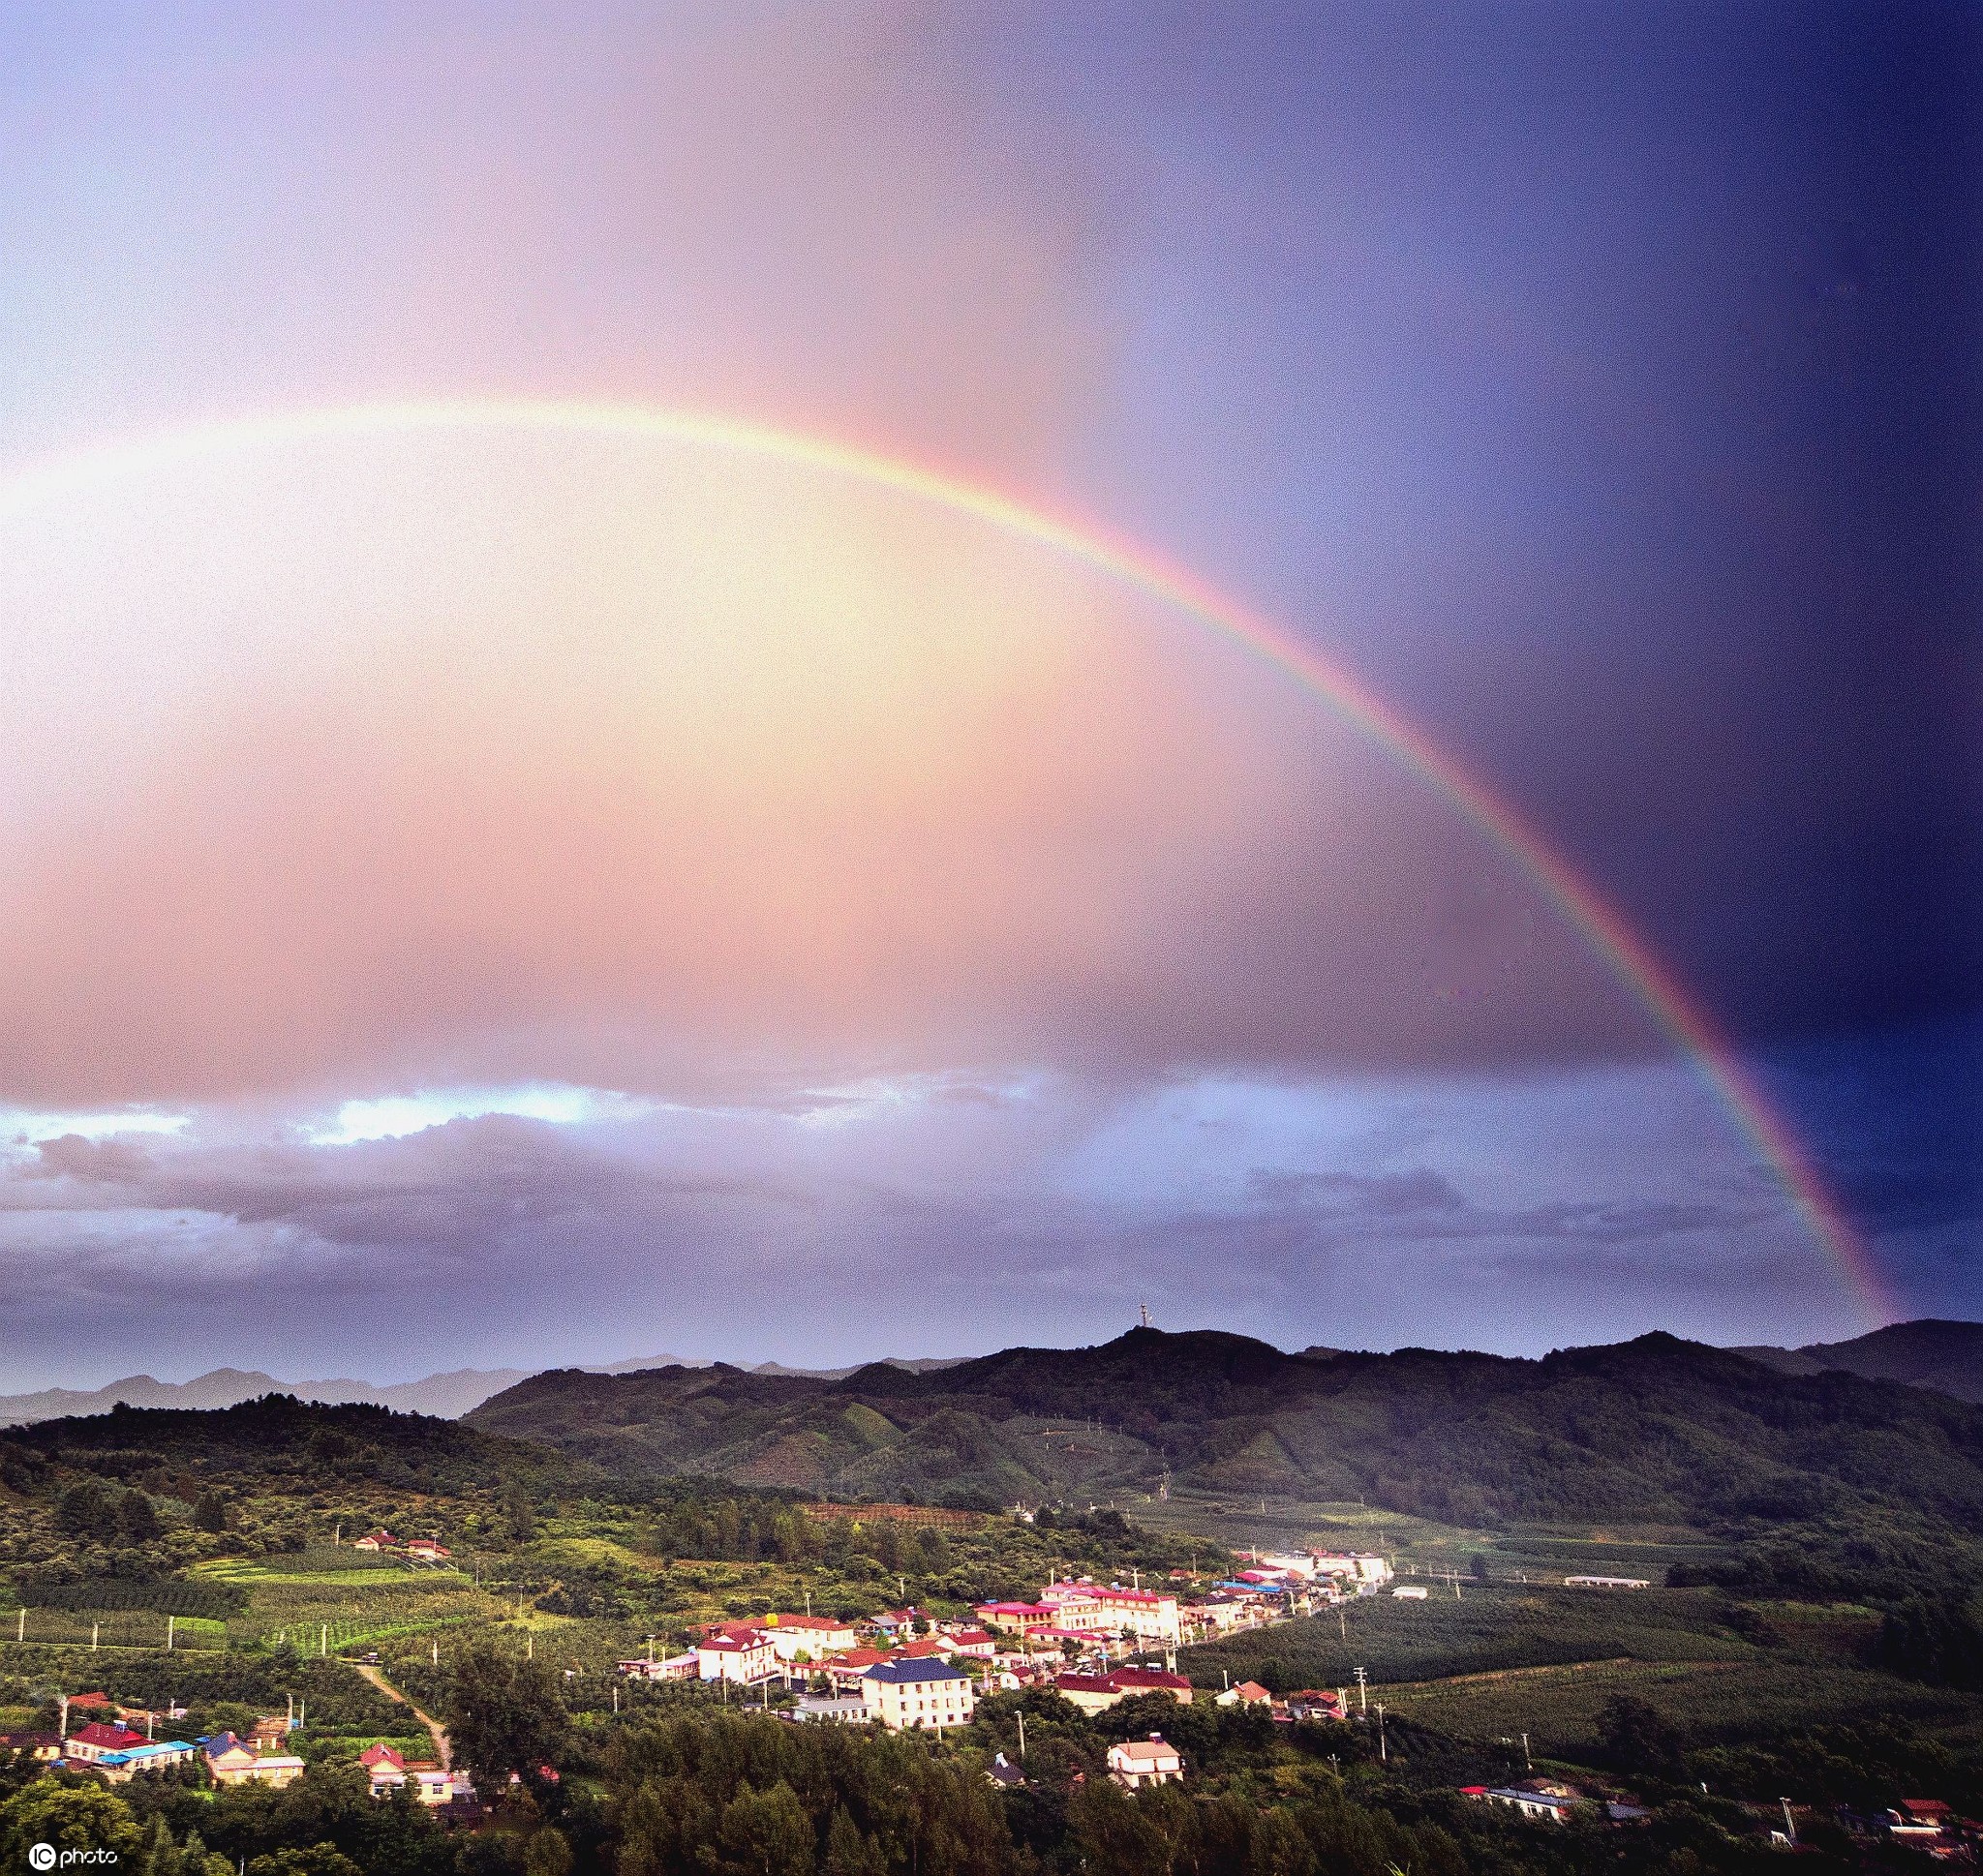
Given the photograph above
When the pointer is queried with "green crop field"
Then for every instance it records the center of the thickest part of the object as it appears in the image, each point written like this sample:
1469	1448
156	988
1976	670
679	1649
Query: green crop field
1707	1700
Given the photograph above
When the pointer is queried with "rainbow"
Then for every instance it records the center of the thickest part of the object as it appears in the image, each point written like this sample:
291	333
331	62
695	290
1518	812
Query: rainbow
1678	1015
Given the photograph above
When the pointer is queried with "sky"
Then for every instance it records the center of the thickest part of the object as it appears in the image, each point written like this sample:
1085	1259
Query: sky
491	890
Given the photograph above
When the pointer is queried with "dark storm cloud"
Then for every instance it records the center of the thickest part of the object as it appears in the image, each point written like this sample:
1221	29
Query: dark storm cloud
1426	1206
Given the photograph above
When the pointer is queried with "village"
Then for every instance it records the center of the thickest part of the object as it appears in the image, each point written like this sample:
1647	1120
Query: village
1091	1643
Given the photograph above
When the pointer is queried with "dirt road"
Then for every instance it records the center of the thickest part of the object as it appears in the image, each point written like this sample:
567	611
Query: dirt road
441	1749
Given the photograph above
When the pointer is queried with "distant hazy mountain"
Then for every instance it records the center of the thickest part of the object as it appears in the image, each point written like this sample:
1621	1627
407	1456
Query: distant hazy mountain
446	1396
1946	1356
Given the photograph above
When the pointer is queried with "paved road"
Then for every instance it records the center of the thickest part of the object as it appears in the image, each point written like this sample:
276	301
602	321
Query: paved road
441	1749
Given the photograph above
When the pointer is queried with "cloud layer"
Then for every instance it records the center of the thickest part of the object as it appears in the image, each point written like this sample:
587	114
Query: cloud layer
411	761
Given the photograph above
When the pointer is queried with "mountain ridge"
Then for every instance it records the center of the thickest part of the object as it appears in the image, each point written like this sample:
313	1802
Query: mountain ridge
1656	1428
1930	1353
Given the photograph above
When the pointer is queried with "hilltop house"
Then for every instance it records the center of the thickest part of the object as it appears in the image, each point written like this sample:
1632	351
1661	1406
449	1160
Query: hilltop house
905	1695
385	1767
148	1755
46	1747
1153	1681
1315	1703
1096	1693
98	1740
378	1540
1087	1693
1018	1618
1149	1614
230	1763
846	1669
427	1549
742	1654
899	1622
1145	1762
1356	1568
673	1667
1247	1693
817	1635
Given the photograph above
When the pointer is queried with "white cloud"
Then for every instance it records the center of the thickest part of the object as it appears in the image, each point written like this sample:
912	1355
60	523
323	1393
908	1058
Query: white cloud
391	1117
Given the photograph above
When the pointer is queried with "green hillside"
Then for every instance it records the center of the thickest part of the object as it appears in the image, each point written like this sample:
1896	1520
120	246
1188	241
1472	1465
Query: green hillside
1654	1432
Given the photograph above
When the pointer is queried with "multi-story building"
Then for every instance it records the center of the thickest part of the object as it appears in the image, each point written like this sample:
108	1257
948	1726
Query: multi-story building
904	1695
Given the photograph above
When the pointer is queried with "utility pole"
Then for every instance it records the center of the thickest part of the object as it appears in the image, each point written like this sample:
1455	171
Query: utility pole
1789	1821
1382	1751
94	1629
1342	1623
1021	1736
1528	1764
1362	1691
171	1622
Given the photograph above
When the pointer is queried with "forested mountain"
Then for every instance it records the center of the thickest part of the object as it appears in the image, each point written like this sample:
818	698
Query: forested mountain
1652	1430
1946	1356
278	1444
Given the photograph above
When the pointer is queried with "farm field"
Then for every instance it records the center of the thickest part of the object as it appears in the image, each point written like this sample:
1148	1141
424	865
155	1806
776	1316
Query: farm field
1506	1658
1710	1701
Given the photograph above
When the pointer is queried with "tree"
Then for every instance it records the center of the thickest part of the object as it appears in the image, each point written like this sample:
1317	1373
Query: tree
1936	1641
196	1860
138	1521
1636	1739
848	1852
1478	1565
549	1854
320	1859
767	1834
503	1715
519	1514
210	1512
70	1817
86	1510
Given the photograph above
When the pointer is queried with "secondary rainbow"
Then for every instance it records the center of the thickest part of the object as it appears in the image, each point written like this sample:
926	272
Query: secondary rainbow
1682	1019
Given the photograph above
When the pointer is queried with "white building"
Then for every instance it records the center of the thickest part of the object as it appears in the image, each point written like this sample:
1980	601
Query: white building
745	1656
1355	1568
1145	1762
930	1693
1149	1614
685	1666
